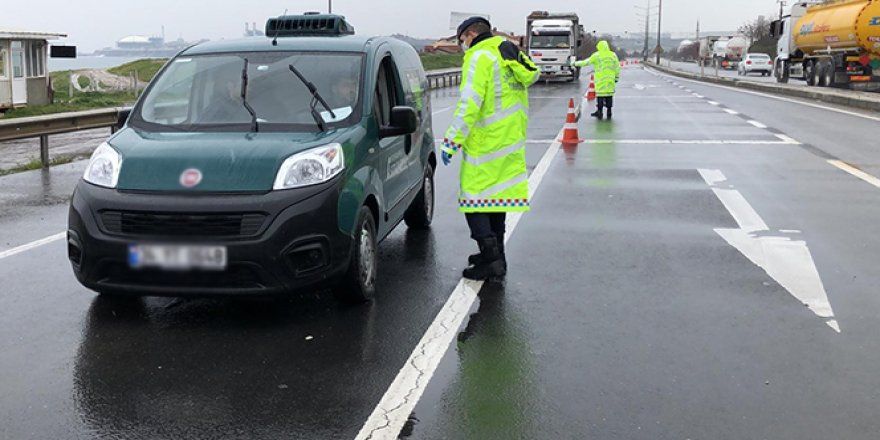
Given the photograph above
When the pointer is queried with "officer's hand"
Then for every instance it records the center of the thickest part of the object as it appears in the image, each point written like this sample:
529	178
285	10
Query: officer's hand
572	63
446	158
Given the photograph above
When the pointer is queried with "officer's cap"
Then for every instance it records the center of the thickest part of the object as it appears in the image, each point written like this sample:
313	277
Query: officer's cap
467	23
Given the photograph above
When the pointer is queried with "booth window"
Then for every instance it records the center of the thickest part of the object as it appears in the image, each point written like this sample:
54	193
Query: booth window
36	66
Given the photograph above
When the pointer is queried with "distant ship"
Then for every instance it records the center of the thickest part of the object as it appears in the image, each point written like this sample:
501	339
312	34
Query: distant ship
146	47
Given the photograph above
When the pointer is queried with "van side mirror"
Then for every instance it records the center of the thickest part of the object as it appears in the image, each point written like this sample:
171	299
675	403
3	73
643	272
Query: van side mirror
122	117
403	121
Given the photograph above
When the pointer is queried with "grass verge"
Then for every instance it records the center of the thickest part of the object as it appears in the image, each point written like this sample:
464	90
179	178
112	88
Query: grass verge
435	61
36	164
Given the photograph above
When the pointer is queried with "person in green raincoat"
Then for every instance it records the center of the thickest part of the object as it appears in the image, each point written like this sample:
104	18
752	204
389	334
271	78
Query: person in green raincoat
606	66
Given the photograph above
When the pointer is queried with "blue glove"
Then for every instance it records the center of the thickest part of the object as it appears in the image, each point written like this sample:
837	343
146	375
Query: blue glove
446	158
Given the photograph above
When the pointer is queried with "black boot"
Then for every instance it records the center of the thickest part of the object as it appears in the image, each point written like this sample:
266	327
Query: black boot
597	114
477	258
609	113
491	264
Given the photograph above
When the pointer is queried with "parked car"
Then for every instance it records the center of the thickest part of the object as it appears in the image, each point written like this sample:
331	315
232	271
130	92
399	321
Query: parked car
260	166
756	62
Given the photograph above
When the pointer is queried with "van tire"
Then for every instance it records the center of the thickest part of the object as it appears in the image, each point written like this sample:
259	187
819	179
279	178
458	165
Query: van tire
358	285
421	212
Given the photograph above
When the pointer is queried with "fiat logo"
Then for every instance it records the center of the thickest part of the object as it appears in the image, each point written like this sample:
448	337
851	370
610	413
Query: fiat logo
190	178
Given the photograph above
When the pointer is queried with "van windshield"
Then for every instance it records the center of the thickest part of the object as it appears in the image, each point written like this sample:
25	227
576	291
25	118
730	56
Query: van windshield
203	93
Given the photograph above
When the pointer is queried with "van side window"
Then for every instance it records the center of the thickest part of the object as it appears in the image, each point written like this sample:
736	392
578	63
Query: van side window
387	92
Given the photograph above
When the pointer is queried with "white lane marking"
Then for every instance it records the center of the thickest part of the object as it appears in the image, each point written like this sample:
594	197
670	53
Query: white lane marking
732	112
442	110
757	124
713	177
856	172
787	139
392	412
793	101
713	103
33	245
697	95
787	261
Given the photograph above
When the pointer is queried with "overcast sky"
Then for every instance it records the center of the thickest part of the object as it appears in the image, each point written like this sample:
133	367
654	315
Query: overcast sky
94	24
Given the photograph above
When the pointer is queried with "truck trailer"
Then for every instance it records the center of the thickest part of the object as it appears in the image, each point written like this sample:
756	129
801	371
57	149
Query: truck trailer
829	44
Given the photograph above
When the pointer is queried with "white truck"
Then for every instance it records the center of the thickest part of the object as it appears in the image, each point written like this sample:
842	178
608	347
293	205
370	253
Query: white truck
552	40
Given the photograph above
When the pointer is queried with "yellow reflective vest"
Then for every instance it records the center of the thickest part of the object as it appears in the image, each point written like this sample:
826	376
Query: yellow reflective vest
607	69
489	127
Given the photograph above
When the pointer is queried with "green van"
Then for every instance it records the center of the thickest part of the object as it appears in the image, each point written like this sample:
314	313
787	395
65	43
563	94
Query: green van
260	166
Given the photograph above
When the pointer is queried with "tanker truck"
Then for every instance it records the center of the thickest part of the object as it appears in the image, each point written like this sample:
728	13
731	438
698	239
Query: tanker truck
728	53
834	43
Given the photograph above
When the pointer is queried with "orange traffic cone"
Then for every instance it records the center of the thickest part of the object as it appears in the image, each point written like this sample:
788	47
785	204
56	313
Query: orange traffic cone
570	131
591	91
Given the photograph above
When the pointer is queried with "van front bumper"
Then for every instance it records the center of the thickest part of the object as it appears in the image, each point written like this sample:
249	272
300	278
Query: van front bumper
276	242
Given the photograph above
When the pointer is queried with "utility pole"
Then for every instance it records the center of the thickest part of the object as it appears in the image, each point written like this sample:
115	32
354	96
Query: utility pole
647	30
781	6
329	6
659	17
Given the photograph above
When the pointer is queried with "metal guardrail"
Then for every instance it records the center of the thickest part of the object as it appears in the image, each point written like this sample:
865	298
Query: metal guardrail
44	126
438	79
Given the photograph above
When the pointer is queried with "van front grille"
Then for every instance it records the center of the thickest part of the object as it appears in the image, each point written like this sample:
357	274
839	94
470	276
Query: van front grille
152	224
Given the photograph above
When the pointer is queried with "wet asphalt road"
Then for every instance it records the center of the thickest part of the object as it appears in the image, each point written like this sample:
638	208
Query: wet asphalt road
625	315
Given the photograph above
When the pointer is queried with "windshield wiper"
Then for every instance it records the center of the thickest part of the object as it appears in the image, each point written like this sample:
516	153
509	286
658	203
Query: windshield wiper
255	126
316	98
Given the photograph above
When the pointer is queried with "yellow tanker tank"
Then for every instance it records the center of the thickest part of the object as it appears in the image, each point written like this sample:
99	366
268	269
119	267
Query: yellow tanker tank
843	24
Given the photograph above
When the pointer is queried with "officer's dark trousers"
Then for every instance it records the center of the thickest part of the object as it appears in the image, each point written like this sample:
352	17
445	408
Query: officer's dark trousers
487	225
606	102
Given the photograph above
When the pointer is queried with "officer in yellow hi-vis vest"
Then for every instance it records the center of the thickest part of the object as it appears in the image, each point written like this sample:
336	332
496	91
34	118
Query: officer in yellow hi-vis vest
607	68
489	129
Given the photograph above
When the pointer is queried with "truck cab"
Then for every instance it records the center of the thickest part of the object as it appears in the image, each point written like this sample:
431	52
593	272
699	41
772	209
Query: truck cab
552	41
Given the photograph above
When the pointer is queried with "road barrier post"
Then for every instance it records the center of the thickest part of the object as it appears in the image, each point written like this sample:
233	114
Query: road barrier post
44	150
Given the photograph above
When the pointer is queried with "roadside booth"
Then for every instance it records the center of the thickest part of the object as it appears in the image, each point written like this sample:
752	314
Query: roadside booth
24	74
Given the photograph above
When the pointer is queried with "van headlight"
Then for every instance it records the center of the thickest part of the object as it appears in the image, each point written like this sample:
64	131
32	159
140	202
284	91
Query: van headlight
103	169
310	167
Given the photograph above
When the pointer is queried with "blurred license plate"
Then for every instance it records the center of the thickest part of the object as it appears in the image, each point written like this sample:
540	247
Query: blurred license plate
177	257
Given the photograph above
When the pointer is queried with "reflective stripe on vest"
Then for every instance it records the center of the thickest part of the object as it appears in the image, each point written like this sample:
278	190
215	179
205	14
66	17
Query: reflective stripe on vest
468	94
510	183
494	155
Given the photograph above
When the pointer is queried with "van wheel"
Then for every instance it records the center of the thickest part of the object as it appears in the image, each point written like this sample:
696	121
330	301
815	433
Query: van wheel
421	212
359	282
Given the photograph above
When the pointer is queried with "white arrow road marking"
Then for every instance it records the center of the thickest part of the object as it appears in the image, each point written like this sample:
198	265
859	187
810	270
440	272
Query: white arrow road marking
786	260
